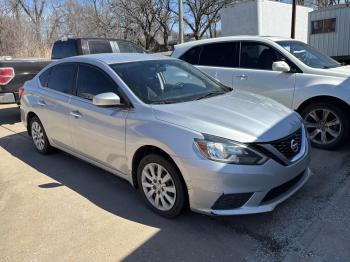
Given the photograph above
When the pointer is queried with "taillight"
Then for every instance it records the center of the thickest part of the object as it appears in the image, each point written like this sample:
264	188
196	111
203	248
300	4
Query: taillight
21	92
6	75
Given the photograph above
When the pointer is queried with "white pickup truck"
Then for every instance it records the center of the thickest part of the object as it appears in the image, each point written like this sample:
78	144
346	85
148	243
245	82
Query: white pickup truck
289	71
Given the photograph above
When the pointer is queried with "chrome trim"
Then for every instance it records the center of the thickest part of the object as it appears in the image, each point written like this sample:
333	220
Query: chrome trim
6	98
303	145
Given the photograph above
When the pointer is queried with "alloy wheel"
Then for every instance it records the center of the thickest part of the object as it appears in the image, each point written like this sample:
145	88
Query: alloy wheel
38	136
158	186
323	125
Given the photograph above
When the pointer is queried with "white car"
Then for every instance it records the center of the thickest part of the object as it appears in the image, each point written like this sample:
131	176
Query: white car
289	71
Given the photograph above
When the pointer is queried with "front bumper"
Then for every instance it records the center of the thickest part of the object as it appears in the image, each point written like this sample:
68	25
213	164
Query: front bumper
264	186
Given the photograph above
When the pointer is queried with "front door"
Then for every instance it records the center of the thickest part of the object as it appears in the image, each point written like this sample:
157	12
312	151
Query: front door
255	73
98	132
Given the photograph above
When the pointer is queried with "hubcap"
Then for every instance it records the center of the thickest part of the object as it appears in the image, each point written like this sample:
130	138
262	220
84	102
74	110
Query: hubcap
38	136
323	126
158	186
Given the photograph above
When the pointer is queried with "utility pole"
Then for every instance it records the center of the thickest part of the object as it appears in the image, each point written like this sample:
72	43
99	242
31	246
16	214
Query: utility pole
294	10
181	21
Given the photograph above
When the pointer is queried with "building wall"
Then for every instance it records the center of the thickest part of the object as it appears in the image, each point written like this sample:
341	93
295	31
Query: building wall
335	43
240	19
264	17
276	20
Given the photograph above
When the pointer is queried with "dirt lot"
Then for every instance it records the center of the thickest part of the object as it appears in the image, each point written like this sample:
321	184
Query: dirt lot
59	208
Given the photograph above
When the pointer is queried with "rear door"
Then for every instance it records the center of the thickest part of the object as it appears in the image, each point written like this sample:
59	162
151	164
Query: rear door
255	73
53	102
218	60
98	132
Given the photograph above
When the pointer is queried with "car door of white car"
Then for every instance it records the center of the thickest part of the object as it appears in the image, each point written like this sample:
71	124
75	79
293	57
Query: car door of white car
218	60
98	132
255	73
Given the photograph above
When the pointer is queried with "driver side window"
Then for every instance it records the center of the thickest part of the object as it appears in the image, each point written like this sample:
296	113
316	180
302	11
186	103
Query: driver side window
92	81
258	56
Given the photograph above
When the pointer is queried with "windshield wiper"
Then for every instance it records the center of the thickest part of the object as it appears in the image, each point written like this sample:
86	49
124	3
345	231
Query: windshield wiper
210	94
165	102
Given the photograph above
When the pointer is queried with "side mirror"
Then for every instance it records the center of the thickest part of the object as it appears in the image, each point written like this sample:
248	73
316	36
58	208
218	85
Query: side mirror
106	99
280	66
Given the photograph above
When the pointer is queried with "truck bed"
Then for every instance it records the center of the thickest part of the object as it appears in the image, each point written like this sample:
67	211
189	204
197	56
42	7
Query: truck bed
25	69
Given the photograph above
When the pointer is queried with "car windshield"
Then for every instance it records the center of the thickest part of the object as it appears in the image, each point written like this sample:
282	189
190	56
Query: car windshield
167	81
308	55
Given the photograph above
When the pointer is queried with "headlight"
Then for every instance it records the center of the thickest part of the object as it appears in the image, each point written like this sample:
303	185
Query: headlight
227	151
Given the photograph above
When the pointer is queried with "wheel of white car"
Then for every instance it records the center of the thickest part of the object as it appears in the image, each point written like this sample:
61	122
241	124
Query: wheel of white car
160	186
39	137
327	125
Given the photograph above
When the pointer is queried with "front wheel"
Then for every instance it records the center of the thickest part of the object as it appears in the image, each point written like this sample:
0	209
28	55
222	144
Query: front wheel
160	185
327	125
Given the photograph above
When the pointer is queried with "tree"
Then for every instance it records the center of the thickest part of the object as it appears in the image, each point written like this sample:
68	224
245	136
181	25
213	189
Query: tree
165	18
141	15
35	13
201	15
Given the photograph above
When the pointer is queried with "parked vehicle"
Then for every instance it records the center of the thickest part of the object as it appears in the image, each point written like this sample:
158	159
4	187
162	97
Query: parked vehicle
170	130
14	72
286	70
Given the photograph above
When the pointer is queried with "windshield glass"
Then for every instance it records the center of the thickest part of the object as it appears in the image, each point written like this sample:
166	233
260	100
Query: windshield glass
167	81
308	55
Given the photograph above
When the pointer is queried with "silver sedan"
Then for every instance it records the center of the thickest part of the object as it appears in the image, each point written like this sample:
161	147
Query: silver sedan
179	136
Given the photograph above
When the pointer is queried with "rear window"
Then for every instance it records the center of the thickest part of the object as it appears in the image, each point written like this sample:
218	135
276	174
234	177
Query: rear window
128	47
99	46
44	77
220	54
62	78
192	55
62	49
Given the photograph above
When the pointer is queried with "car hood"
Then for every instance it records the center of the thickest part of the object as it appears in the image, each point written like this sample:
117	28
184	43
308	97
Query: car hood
239	116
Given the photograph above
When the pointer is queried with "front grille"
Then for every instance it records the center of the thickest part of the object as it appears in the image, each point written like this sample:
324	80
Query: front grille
278	191
231	201
267	153
286	145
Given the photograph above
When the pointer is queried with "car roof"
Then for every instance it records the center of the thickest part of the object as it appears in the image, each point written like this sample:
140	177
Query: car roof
64	39
232	38
115	58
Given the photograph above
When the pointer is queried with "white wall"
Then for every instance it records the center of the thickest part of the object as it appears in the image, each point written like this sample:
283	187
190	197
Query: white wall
264	17
276	19
336	43
240	19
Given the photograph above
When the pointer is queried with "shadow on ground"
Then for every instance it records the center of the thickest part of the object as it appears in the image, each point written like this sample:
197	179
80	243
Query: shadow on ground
191	236
9	115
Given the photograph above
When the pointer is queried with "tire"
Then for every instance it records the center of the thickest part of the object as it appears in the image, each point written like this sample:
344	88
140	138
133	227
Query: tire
39	136
170	204
335	134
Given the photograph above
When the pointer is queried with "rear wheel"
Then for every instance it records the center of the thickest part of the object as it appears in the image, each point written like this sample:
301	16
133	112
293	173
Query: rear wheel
326	124
160	186
39	136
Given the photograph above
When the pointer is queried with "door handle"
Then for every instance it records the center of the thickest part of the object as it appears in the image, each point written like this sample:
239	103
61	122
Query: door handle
41	103
242	77
76	114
